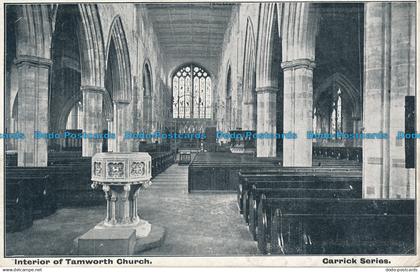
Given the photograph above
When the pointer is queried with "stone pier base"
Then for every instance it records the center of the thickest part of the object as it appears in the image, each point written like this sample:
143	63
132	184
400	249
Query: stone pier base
124	241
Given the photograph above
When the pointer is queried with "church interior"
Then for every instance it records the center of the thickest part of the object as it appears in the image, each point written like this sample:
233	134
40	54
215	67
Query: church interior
271	128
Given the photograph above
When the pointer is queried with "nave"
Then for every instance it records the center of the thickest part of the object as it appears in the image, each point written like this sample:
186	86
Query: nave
196	224
87	75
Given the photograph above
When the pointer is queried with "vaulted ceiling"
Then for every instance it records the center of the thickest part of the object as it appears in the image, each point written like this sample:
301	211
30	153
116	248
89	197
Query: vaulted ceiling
191	32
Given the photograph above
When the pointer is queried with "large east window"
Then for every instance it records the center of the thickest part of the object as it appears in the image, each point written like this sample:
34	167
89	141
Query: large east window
336	115
191	93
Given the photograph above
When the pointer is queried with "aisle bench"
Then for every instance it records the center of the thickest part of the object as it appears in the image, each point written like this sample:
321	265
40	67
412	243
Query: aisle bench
161	161
29	195
335	226
314	178
251	213
347	153
73	184
218	172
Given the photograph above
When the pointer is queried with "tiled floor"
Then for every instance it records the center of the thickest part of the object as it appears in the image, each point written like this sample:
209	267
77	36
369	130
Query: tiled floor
196	224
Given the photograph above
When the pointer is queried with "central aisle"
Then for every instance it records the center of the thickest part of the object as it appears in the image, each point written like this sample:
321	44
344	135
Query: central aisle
196	224
204	224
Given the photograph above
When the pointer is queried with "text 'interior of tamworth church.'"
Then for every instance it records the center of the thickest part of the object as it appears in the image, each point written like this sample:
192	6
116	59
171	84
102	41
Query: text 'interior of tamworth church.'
209	129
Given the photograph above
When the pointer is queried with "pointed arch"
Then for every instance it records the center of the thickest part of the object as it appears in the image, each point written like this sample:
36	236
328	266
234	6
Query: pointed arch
91	43
34	31
348	89
147	94
67	107
92	47
264	73
249	100
299	27
147	78
118	42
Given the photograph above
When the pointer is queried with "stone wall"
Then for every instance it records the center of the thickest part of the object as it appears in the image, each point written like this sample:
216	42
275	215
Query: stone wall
233	56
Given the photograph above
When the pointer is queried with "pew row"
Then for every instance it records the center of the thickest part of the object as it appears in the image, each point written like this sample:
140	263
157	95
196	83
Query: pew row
311	177
218	172
161	161
335	226
251	213
338	152
29	195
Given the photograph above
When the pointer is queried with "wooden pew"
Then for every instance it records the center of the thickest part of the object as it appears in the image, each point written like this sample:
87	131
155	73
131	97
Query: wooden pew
218	172
29	195
268	178
184	157
346	153
251	213
68	157
73	183
335	226
161	161
18	205
11	158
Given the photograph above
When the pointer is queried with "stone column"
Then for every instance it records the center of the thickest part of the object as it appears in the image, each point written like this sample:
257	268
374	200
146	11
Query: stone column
111	142
389	77
147	116
33	73
297	113
249	119
92	119
266	121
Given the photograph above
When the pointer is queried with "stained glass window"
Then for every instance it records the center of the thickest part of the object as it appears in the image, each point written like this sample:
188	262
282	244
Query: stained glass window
191	93
336	115
339	113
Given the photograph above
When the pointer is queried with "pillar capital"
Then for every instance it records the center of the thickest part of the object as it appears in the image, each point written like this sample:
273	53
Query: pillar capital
298	64
267	89
33	61
93	89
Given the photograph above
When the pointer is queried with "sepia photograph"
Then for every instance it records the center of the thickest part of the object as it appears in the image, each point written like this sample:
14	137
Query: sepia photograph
267	133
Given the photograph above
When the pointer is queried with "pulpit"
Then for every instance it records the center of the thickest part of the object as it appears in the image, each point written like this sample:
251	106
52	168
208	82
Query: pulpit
121	176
